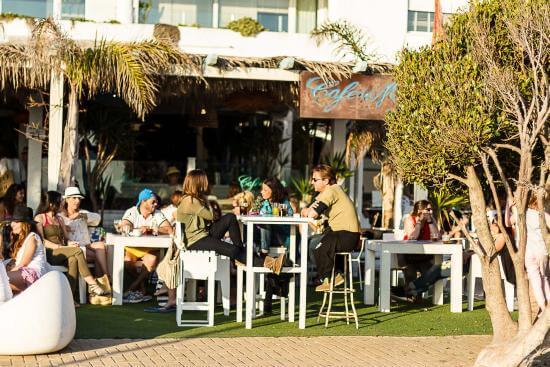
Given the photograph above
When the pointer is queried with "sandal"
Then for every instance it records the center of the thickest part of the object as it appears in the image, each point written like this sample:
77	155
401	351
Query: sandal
161	292
159	309
96	290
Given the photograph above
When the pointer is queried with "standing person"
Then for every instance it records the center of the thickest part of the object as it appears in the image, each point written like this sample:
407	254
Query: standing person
272	193
420	225
15	195
27	251
143	216
77	221
343	233
201	233
59	250
536	255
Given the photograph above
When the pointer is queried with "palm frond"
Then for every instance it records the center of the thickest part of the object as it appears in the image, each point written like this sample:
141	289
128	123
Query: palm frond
348	37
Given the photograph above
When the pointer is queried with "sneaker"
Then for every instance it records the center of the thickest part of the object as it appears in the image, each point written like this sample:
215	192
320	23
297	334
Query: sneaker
146	298
323	287
338	280
133	297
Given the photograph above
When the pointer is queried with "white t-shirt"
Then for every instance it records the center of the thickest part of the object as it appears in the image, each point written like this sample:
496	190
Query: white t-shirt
169	213
38	261
78	228
133	216
535	242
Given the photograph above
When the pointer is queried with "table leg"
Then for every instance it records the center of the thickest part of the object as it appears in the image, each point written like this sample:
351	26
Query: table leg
250	290
303	277
239	294
370	274
118	274
292	284
385	270
456	281
438	286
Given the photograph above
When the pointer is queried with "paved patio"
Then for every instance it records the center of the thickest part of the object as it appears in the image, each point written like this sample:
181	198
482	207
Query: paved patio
262	351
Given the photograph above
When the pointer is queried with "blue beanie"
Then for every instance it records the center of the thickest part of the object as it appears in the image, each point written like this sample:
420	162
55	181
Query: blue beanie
145	194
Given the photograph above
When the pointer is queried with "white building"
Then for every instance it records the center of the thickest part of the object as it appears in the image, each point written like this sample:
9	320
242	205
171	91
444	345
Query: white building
390	26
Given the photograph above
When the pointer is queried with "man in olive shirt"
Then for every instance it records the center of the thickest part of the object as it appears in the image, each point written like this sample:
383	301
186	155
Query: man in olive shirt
344	232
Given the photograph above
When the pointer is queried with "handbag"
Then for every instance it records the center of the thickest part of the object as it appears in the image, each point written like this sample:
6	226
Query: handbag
168	270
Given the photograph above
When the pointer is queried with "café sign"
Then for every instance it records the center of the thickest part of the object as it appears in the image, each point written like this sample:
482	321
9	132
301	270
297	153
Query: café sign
362	97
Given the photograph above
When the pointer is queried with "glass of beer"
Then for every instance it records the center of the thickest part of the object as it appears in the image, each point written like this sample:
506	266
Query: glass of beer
275	209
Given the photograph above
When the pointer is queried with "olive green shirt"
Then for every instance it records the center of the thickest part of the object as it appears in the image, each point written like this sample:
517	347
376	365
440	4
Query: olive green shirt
195	217
341	211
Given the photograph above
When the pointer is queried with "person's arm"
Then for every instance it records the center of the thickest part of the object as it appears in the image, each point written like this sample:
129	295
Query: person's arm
412	229
195	207
164	225
40	229
92	219
28	254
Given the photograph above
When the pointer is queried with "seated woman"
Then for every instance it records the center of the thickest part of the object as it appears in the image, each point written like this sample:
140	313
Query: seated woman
420	225
28	262
343	234
14	195
77	222
272	193
201	233
60	250
143	216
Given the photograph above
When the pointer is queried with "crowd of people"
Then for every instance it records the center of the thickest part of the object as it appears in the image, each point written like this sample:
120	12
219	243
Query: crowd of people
58	235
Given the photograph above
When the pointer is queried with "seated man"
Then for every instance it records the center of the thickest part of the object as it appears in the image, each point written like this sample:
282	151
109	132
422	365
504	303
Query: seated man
143	216
343	234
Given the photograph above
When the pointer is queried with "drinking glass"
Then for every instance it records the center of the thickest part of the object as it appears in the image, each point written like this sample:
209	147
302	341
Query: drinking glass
126	229
283	209
434	236
155	228
275	209
116	224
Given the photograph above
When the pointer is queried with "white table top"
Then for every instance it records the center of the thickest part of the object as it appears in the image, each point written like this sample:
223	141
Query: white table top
270	219
415	247
160	241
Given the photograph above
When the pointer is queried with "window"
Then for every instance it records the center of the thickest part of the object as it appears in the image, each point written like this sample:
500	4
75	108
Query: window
72	9
272	14
179	12
274	22
32	8
306	12
423	21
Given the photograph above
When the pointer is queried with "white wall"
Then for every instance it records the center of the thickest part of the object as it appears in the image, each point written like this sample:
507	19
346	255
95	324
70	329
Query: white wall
100	10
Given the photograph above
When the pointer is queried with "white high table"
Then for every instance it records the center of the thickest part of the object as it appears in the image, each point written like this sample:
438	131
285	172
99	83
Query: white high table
293	222
387	248
119	242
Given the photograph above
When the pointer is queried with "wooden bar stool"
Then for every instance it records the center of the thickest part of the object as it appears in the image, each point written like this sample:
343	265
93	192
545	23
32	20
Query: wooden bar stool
347	291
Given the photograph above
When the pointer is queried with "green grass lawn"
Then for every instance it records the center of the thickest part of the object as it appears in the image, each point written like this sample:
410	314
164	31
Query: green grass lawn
406	319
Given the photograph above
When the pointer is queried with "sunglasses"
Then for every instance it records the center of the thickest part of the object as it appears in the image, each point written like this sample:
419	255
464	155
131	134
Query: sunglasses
316	179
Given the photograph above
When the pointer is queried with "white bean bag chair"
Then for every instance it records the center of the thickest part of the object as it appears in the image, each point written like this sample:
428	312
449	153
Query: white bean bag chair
39	320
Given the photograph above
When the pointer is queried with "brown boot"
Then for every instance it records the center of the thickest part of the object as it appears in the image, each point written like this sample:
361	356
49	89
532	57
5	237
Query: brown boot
268	262
278	264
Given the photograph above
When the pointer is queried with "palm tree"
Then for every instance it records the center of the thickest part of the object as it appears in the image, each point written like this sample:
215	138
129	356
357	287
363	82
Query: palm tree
132	71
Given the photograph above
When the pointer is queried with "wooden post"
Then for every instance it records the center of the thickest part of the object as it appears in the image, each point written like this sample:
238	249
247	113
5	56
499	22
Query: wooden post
55	138
34	161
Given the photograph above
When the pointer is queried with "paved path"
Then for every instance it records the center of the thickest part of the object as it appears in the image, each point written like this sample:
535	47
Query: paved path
262	351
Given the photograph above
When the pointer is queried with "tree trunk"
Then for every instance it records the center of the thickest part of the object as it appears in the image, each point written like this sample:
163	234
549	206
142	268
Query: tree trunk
503	325
69	152
518	348
388	194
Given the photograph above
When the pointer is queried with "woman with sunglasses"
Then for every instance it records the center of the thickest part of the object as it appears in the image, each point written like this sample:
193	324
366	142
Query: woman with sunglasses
420	225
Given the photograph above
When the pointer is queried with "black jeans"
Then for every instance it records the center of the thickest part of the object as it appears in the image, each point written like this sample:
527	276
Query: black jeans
331	243
213	242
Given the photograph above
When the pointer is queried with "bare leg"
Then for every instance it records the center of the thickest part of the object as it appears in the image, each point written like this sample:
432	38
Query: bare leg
100	255
149	264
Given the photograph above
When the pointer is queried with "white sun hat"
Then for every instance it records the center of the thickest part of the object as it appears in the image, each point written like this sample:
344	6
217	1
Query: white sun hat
72	191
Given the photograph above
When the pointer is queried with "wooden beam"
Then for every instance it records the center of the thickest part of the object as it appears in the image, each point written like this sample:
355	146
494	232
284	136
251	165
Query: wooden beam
245	73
